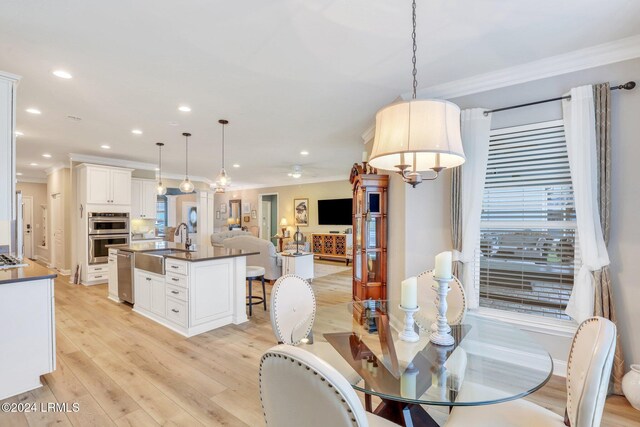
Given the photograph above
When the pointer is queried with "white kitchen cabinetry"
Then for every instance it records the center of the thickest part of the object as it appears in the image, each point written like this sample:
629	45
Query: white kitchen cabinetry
194	297
105	185
27	336
143	198
150	293
300	265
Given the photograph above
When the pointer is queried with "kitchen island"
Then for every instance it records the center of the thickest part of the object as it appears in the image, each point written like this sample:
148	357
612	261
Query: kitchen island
189	292
28	348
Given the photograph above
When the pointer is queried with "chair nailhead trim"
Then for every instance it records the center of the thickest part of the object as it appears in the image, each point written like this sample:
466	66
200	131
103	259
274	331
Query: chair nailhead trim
308	368
274	296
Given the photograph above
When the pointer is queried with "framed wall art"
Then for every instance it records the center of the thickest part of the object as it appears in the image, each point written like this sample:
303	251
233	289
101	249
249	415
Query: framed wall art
301	212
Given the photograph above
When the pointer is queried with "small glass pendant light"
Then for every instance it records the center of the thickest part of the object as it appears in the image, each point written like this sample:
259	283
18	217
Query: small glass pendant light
160	189
222	180
186	186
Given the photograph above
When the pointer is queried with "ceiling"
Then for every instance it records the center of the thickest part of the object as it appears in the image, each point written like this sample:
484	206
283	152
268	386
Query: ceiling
289	75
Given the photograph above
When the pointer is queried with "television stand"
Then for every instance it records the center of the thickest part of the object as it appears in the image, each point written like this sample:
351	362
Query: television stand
332	246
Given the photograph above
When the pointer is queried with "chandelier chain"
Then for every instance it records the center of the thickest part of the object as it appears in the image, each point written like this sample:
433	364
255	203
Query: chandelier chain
415	48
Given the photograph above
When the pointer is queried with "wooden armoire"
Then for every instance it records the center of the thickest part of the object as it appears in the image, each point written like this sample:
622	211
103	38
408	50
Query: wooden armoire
370	194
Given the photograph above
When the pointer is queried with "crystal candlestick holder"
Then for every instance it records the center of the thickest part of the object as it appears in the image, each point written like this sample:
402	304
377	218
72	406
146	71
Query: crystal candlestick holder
409	334
442	336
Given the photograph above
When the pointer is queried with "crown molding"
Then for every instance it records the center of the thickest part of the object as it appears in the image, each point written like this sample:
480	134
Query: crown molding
31	180
55	168
582	59
122	163
9	76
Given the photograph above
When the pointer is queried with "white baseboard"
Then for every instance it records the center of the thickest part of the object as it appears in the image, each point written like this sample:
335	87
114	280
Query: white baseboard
64	272
560	368
42	259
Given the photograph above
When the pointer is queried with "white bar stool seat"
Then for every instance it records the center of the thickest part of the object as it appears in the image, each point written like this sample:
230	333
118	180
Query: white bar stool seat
255	272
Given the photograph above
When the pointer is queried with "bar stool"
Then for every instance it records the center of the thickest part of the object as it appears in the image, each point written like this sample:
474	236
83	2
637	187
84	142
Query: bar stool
255	272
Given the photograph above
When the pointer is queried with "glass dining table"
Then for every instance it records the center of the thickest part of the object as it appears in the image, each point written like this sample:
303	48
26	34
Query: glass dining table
490	362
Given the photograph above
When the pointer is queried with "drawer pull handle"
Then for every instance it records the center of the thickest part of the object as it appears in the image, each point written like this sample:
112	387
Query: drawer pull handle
175	292
174	266
98	277
148	279
175	311
175	280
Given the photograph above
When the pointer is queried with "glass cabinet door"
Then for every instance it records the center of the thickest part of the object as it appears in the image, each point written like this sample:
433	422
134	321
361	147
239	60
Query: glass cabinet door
357	249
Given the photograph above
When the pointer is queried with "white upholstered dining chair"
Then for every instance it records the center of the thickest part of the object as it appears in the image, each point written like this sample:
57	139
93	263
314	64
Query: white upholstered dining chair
427	295
588	371
293	311
297	388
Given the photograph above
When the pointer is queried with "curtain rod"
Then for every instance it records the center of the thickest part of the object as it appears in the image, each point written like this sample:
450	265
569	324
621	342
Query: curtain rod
627	86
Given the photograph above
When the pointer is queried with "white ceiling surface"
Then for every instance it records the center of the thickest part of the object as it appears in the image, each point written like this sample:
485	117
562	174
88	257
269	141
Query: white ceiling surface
289	75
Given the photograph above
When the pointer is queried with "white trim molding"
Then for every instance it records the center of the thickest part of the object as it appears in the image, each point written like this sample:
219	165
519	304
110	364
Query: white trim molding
582	59
290	182
532	323
31	180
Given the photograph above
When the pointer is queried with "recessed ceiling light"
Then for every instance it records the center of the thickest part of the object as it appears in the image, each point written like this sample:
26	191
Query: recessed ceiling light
136	132
46	156
18	133
19	173
235	165
105	147
33	164
184	108
33	111
157	169
62	74
304	153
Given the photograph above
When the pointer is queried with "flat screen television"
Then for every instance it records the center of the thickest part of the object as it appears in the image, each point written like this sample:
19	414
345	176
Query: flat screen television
334	212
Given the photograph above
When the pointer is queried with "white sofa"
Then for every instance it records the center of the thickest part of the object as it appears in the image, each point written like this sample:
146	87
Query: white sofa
268	257
217	238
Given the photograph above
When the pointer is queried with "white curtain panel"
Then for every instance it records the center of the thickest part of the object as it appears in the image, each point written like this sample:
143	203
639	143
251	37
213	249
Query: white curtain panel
580	132
475	127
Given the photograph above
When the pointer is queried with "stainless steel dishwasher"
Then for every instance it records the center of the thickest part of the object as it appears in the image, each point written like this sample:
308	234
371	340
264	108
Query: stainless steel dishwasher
125	276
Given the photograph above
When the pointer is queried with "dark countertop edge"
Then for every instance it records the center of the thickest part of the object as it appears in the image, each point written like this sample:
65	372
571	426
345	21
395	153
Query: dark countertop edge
208	258
29	278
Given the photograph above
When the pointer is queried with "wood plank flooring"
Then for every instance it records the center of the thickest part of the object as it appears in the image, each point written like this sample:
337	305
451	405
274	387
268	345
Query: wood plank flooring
126	370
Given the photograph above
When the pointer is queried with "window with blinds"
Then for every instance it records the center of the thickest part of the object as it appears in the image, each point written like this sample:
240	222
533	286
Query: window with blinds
528	231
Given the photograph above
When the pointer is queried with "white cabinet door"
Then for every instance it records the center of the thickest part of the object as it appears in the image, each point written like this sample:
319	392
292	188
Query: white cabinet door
158	297
113	276
98	185
148	199
7	153
136	198
210	295
120	187
142	289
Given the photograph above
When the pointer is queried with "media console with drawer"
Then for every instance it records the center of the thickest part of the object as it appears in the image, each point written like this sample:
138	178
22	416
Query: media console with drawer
200	290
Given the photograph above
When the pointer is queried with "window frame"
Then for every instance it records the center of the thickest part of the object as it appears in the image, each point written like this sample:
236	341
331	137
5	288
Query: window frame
528	322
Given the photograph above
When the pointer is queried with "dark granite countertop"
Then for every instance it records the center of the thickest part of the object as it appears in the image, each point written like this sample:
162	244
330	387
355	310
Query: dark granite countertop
23	274
196	252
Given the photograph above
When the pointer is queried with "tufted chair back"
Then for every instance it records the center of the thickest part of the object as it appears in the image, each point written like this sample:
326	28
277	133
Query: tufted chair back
588	371
293	309
299	389
456	301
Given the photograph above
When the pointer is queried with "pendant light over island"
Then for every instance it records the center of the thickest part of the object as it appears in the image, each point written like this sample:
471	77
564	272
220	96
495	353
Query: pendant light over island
186	186
222	180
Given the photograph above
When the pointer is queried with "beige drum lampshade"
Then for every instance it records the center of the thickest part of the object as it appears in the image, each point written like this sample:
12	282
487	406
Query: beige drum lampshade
424	133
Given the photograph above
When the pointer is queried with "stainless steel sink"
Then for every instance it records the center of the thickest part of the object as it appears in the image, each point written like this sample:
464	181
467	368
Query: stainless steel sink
153	261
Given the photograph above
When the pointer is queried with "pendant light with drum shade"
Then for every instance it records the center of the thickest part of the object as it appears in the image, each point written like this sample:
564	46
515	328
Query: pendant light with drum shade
417	135
161	190
186	186
222	180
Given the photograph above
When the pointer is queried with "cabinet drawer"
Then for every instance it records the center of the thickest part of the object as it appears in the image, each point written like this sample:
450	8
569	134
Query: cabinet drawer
175	266
177	292
177	280
101	268
177	311
98	276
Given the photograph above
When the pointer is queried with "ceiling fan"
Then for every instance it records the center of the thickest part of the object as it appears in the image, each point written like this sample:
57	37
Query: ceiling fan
296	172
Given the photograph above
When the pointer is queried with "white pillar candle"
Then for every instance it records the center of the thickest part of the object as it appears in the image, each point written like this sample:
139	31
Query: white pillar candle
443	265
409	293
365	156
408	384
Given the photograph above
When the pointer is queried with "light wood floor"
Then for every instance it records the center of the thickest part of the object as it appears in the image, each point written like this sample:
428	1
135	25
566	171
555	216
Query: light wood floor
126	370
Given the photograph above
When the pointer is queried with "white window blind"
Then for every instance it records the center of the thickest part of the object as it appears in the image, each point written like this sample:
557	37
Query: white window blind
527	239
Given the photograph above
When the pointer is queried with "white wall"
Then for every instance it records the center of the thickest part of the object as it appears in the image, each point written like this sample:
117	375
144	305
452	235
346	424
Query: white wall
624	246
39	193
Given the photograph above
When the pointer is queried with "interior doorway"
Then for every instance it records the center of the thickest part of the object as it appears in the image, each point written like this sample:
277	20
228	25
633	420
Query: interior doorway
27	226
268	215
